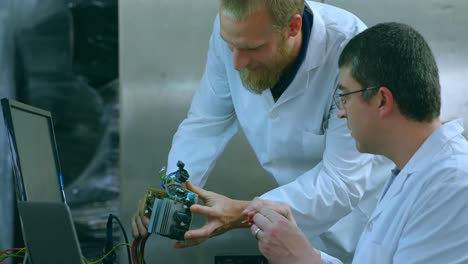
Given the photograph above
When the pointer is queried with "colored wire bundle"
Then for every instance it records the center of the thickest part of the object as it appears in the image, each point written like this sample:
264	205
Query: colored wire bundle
138	250
22	252
108	254
5	255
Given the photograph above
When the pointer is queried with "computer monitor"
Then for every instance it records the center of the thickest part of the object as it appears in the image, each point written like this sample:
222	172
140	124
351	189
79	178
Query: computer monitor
34	154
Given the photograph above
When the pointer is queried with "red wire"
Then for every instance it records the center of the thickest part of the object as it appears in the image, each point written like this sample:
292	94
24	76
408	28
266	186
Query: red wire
133	251
142	249
138	250
10	249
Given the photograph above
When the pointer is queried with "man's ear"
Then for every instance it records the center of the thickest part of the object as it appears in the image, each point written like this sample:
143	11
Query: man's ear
386	101
295	25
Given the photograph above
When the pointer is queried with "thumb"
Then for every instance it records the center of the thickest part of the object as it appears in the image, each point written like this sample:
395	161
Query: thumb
202	193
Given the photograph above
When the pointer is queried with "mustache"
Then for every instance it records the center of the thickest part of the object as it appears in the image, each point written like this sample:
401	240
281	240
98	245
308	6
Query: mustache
259	80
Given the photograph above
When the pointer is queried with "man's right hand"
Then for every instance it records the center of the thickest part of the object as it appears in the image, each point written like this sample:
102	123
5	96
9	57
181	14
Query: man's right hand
139	221
222	214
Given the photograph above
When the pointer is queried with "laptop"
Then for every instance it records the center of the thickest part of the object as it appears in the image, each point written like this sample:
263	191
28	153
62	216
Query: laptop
49	233
46	222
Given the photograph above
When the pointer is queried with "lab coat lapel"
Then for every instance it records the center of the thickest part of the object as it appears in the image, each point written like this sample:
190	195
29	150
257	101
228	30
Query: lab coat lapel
317	49
268	99
393	191
315	56
429	148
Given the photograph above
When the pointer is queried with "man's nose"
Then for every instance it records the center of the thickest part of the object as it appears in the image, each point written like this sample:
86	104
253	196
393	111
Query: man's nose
241	59
341	113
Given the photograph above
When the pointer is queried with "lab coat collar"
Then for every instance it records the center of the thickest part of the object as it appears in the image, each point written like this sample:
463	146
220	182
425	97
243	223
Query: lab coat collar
316	50
315	56
433	144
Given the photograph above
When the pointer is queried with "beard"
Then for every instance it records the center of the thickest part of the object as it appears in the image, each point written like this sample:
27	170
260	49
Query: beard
266	76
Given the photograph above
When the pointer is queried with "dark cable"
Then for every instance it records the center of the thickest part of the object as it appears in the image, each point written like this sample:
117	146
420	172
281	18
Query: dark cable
125	236
109	243
143	248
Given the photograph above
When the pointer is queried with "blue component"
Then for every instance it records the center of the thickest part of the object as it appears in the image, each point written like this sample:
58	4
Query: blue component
191	196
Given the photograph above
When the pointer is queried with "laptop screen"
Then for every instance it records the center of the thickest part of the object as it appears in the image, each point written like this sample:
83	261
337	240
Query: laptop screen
34	152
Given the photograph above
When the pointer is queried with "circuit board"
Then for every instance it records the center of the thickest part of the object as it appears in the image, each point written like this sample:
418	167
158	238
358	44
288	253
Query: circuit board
151	195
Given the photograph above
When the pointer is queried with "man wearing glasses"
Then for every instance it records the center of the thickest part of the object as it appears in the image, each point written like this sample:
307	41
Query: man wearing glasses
389	92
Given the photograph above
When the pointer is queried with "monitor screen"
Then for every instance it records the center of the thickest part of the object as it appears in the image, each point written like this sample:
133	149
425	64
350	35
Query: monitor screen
34	153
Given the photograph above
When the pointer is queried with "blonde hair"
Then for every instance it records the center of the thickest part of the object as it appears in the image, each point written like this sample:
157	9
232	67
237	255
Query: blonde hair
280	11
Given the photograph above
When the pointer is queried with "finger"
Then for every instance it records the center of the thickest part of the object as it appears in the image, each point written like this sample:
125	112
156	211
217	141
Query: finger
135	232
140	218
144	221
141	208
141	228
203	232
256	231
253	207
141	205
202	193
249	211
188	243
280	208
253	228
141	221
283	209
204	210
271	214
257	203
261	221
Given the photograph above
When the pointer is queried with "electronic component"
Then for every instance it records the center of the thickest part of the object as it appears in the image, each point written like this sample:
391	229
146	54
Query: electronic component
169	209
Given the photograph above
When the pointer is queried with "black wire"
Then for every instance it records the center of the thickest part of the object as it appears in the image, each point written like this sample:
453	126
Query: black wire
135	249
125	236
143	242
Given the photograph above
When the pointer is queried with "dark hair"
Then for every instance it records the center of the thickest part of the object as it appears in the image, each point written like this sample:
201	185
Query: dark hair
396	56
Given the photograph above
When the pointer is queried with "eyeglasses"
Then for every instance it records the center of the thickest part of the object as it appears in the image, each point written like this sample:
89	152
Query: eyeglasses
340	99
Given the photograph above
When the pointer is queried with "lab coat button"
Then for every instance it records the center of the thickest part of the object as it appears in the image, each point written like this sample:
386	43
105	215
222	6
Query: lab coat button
369	227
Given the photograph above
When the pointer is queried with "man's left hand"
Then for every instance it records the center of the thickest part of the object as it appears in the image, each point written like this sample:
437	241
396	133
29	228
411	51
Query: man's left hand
280	240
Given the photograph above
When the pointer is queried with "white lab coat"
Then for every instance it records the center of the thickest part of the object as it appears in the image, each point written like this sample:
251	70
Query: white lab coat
298	139
423	217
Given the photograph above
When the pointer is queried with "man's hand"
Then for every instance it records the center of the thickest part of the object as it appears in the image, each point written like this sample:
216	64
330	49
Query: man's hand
139	221
222	214
257	204
279	238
